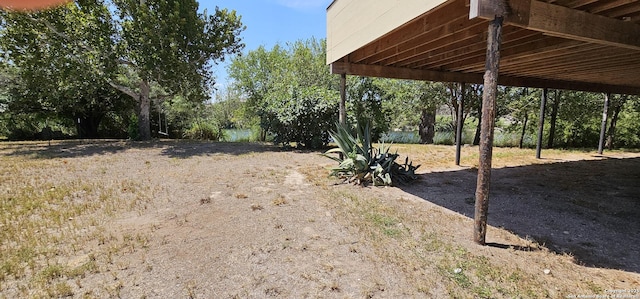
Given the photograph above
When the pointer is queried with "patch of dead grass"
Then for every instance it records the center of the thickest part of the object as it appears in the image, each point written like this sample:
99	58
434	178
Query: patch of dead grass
436	258
46	218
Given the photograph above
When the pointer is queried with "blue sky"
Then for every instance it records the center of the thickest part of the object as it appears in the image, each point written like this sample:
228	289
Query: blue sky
272	21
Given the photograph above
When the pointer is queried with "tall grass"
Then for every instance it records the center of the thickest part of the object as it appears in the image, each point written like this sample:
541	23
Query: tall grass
410	137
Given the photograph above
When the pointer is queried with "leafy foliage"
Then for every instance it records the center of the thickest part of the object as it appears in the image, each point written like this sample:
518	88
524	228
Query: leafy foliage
203	131
362	163
93	51
52	78
365	98
303	115
291	91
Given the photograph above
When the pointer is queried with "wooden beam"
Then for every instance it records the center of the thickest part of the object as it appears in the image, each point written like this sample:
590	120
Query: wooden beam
603	127
459	121
488	120
559	21
442	76
543	105
402	73
342	114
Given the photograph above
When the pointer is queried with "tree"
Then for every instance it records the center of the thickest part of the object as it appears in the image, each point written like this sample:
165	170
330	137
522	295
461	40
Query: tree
143	48
627	131
422	97
291	90
554	117
365	98
254	75
53	78
581	116
617	102
522	104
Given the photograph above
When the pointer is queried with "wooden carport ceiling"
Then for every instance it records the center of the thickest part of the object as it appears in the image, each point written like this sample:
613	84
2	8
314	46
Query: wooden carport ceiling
590	45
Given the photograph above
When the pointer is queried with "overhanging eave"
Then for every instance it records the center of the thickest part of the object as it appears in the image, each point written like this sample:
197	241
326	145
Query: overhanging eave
443	76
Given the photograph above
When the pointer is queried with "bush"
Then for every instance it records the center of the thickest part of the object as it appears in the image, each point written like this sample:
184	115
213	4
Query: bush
303	116
401	137
203	131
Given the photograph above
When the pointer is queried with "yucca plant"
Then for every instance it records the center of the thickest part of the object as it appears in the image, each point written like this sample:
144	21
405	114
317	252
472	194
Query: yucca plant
361	163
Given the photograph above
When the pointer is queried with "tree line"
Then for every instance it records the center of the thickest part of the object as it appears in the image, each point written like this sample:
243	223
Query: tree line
131	69
275	86
101	65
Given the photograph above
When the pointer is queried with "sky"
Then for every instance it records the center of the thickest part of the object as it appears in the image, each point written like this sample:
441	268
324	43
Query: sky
270	22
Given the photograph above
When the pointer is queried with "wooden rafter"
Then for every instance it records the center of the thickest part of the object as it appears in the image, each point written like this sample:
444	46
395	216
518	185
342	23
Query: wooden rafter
443	44
560	21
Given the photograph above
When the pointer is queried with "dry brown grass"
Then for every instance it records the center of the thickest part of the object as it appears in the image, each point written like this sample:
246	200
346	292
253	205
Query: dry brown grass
436	157
57	217
47	222
434	248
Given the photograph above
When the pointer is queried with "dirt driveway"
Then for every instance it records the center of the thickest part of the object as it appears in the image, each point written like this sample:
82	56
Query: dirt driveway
220	220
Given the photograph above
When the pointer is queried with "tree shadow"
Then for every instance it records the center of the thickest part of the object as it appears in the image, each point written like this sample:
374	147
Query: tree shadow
180	149
63	148
588	209
183	149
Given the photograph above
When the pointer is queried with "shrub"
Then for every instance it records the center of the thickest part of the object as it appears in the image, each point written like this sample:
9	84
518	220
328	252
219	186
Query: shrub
303	116
203	131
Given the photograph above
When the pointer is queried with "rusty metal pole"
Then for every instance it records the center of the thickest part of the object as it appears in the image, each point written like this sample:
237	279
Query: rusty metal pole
543	105
342	116
492	67
603	128
460	123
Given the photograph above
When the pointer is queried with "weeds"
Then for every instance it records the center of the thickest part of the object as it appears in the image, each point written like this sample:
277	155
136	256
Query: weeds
44	219
421	252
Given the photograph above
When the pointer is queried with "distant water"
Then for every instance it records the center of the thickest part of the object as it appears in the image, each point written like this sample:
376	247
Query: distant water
401	137
237	135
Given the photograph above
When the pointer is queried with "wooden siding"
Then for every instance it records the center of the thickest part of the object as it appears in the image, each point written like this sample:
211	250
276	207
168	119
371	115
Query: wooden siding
353	23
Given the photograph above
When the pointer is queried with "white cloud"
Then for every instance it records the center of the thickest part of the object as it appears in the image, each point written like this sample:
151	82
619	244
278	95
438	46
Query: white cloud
305	4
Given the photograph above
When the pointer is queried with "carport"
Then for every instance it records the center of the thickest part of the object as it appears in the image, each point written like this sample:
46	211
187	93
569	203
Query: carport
587	45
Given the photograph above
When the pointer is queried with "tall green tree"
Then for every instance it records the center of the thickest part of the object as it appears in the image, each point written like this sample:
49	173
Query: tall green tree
365	104
55	78
174	45
416	103
142	48
579	118
254	75
291	90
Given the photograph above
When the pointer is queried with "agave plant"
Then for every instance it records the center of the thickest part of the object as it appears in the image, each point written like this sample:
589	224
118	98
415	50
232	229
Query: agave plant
361	163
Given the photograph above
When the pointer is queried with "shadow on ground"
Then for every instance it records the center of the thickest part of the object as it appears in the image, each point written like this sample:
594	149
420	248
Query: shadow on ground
171	148
588	209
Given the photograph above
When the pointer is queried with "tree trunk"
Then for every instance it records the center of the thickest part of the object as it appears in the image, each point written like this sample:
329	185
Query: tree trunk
476	138
489	95
554	116
144	102
524	129
612	127
427	125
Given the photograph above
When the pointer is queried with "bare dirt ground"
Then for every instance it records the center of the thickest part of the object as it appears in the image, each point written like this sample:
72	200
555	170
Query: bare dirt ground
216	220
